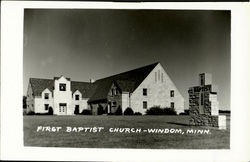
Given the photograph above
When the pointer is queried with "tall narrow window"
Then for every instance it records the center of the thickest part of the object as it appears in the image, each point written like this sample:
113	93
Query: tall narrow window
172	104
145	104
116	91
46	96
155	76
62	87
202	99
162	77
112	92
202	78
145	93
159	75
76	97
172	93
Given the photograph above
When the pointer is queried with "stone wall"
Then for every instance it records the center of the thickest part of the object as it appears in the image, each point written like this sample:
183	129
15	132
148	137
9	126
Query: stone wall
203	104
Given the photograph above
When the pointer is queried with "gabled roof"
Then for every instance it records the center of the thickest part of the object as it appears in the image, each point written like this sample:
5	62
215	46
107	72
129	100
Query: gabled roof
56	78
125	85
38	85
127	81
87	89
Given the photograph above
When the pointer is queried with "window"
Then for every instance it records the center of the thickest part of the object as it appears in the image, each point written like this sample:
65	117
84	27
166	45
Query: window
114	104
46	106
145	92
172	93
202	99
202	79
145	104
46	96
162	77
112	92
172	104
62	87
76	97
155	76
116	91
159	75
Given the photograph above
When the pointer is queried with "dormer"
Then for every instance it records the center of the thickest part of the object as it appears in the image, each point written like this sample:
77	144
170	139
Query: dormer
77	96
46	94
62	84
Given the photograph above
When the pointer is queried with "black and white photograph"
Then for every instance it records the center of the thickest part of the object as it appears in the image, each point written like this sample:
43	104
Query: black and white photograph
124	81
103	78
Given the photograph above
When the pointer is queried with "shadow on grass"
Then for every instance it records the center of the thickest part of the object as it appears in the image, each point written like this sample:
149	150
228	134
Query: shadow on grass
183	124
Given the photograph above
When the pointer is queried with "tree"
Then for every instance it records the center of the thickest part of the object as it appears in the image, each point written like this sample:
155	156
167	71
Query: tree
24	102
118	111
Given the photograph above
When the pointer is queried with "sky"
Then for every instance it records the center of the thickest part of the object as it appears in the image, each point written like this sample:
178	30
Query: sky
95	43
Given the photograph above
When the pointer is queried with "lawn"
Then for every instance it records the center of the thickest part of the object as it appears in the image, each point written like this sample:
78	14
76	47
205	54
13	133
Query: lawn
215	139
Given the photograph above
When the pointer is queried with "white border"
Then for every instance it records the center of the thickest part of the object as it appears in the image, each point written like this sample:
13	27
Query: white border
12	87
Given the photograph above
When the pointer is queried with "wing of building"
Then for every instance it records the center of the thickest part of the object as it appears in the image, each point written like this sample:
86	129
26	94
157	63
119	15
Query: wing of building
138	89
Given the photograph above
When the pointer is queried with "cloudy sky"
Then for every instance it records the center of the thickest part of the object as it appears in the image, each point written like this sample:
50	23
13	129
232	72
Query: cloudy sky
84	44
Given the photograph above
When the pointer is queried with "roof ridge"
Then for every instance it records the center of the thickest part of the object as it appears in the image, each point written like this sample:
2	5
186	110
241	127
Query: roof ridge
130	70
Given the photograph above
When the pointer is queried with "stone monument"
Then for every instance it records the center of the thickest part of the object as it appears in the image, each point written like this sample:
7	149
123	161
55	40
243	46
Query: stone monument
203	104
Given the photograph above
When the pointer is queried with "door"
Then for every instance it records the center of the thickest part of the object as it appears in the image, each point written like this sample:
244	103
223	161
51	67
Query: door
62	109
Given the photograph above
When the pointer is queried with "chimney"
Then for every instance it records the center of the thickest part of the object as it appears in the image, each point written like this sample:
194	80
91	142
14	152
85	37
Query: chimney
92	80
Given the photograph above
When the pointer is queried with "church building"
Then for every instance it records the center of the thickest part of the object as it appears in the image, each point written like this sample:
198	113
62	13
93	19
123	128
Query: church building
139	89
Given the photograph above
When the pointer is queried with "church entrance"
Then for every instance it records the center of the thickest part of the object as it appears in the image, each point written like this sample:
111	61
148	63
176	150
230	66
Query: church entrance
62	109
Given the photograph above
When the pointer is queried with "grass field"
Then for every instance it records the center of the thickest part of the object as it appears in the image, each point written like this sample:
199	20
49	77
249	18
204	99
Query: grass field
216	139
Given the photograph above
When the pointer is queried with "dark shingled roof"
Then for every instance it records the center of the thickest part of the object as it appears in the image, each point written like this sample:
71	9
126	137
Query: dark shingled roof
87	89
39	85
97	91
127	81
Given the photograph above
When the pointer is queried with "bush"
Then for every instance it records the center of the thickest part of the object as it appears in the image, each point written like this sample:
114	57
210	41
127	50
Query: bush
86	112
118	111
31	113
156	110
110	113
128	111
137	113
186	112
169	111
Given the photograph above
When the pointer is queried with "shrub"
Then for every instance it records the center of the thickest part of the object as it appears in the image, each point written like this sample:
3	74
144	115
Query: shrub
169	111
110	113
137	113
128	111
156	110
118	111
86	112
186	112
31	113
